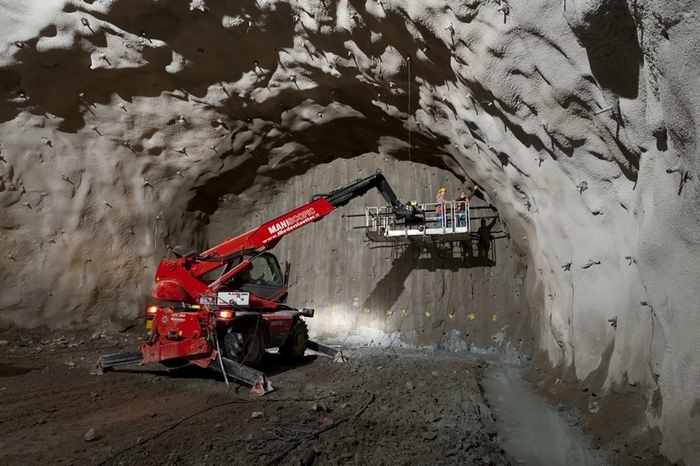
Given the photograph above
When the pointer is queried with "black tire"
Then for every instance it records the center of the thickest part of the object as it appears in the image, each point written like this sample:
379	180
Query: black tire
298	338
246	347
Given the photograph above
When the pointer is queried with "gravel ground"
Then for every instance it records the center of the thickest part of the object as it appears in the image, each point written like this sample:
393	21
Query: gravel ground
382	406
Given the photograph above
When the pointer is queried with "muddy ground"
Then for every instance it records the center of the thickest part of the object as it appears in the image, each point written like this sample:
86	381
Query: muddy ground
380	407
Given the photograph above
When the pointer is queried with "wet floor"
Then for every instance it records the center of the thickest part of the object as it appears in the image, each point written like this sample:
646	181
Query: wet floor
532	431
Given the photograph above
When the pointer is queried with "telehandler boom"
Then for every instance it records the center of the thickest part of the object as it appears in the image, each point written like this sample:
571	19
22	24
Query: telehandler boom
221	308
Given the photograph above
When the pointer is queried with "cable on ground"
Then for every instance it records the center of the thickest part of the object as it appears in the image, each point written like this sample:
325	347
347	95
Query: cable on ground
262	402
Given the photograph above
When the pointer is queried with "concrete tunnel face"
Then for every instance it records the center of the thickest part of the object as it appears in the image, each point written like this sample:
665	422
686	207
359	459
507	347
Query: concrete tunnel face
163	123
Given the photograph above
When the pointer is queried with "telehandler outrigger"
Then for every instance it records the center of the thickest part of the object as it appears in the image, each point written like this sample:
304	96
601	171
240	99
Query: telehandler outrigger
227	304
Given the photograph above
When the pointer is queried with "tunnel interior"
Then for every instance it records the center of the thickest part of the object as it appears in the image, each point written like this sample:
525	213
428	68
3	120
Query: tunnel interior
127	129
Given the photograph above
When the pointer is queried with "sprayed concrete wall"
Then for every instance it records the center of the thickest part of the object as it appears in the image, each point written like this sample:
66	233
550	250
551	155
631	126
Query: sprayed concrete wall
127	128
428	293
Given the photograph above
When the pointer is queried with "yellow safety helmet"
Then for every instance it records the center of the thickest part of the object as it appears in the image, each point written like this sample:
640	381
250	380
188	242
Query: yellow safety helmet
442	190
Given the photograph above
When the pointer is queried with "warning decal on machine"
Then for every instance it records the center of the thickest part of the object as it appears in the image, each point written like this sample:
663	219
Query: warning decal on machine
233	298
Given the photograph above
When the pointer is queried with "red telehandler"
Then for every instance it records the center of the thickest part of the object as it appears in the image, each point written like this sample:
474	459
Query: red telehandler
221	308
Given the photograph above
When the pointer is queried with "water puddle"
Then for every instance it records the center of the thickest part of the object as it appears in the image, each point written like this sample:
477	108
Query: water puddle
10	370
532	431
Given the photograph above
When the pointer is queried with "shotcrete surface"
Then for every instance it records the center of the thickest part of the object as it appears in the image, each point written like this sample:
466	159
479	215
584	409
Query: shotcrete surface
127	128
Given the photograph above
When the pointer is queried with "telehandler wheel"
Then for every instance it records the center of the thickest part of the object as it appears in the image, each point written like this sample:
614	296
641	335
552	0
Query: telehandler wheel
298	338
246	347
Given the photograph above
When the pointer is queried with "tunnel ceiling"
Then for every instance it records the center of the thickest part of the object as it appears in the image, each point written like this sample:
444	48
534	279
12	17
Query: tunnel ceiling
260	83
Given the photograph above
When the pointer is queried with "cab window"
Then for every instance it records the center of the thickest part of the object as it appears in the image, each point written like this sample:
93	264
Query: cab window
266	271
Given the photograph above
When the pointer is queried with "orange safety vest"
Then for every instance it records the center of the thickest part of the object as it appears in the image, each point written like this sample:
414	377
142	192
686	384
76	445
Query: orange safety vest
440	203
462	202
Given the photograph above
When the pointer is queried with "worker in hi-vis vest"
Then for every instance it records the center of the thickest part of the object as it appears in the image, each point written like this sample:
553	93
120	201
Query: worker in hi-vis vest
440	209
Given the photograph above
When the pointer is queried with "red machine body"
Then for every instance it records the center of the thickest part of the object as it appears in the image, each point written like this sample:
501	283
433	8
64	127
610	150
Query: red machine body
180	279
230	299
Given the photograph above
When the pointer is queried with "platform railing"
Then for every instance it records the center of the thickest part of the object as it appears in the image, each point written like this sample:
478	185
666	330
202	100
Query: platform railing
382	225
449	216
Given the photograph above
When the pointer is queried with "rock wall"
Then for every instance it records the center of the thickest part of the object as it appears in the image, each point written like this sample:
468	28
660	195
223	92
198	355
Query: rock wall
129	127
429	293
